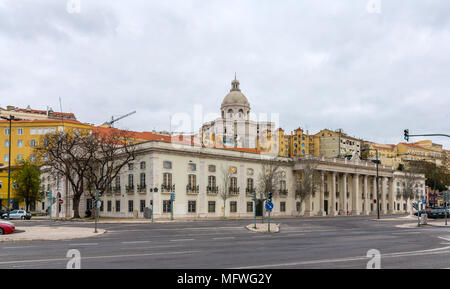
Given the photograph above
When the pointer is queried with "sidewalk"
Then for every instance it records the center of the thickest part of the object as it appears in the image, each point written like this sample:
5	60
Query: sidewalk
45	233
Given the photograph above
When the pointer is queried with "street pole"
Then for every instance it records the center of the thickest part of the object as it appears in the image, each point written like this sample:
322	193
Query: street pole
268	223
254	201
50	197
9	164
97	202
446	213
378	199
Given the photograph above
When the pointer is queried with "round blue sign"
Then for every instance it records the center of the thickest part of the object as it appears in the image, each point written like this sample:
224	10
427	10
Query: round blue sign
269	206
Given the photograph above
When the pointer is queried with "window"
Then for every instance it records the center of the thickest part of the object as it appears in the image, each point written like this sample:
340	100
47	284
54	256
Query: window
20	157
167	165
166	206
33	143
282	206
192	167
142	165
191	206
249	207
6	143
211	181
250	183
142	206
1	184
211	207
233	183
130	166
233	206
117	181
192	180
298	206
212	168
117	205
130	206
109	206
130	180
20	131
142	179
167	179
6	131
20	143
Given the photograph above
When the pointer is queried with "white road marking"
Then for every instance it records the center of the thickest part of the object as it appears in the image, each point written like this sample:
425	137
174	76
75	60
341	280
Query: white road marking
223	238
84	244
135	242
407	233
443	238
388	255
19	247
99	257
181	240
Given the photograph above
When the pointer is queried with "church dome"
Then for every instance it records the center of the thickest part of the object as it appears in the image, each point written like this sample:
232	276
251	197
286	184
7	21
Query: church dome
235	98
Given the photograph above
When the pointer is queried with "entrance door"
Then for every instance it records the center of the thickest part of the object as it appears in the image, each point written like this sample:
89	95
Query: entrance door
325	205
259	208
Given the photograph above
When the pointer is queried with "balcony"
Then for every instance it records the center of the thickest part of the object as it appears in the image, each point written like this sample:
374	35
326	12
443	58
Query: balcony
212	190
167	188
250	191
116	190
233	191
130	189
142	188
192	190
283	193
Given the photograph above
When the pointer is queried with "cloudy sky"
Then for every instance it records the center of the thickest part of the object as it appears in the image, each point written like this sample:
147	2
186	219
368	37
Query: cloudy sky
319	64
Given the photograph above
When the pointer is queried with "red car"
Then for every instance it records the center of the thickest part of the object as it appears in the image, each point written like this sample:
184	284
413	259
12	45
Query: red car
6	228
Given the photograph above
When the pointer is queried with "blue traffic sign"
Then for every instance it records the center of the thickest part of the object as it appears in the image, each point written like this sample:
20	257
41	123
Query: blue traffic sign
269	206
424	202
11	201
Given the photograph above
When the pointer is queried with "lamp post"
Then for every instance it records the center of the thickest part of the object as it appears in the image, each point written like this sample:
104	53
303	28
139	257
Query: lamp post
377	161
10	119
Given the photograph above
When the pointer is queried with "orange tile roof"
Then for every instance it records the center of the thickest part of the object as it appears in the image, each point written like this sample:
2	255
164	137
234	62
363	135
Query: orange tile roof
45	121
44	112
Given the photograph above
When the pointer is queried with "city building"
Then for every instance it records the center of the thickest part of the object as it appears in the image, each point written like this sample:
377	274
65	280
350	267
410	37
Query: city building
338	144
34	114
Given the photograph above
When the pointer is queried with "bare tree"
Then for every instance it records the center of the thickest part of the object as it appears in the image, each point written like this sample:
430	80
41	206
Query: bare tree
113	151
89	160
269	179
68	153
307	181
410	176
224	186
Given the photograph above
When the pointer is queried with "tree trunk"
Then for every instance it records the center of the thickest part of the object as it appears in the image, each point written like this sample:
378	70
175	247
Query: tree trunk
76	205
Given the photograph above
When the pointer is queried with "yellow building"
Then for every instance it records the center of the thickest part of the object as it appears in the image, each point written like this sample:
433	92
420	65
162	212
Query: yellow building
337	144
302	143
387	153
424	150
276	143
25	136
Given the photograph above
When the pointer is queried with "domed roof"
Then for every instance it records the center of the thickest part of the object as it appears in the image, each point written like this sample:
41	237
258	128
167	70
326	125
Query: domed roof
235	97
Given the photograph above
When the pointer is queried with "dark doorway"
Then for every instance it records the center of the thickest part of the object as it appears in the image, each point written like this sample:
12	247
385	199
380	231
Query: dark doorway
259	208
325	206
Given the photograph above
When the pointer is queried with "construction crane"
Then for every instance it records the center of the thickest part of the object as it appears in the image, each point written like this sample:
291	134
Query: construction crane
113	120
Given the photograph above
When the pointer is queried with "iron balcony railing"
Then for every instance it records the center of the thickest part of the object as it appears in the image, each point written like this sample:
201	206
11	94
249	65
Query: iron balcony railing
167	188
212	190
142	188
130	189
192	189
233	191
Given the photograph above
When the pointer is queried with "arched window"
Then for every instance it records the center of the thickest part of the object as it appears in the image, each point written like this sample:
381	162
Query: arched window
230	113
241	113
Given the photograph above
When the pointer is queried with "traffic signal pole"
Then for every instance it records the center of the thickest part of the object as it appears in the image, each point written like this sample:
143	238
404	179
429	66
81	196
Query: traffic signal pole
50	202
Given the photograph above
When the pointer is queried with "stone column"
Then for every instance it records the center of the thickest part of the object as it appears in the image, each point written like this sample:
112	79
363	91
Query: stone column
308	201
355	195
343	193
383	195
333	211
391	196
322	195
366	195
374	196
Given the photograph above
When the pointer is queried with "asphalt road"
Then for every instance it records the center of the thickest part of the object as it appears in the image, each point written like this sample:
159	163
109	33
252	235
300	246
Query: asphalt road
340	242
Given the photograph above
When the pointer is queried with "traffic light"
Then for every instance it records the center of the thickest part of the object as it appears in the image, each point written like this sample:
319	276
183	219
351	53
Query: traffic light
170	202
269	196
407	135
151	202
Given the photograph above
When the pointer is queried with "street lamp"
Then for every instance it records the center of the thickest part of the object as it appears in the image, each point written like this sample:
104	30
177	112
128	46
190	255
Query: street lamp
10	119
377	161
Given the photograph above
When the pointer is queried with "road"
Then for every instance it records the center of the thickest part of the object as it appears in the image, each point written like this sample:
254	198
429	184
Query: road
339	242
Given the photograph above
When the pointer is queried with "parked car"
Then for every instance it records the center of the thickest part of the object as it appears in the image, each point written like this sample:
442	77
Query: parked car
6	228
6	222
18	214
435	213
